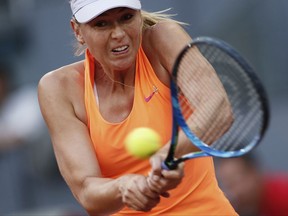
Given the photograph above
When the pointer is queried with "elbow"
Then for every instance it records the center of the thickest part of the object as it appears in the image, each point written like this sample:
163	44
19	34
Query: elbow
79	188
84	198
96	200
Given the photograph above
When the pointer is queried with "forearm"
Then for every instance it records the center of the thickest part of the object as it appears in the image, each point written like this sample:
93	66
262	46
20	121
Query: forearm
206	106
106	196
221	121
100	196
211	118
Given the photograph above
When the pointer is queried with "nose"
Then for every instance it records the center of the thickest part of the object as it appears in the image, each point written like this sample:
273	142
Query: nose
118	32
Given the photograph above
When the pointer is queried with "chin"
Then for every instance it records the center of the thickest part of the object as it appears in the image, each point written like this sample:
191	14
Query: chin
124	64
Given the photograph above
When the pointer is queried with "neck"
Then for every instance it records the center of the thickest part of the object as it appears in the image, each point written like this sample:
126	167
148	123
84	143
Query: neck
115	78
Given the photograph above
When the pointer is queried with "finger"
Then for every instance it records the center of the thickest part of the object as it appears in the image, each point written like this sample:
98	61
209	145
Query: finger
131	199
174	174
139	202
157	187
153	183
143	189
155	162
146	200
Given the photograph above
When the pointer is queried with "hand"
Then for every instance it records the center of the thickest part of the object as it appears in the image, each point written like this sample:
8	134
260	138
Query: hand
136	193
161	181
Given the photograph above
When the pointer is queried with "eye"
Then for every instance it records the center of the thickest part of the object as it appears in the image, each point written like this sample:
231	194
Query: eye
127	17
101	23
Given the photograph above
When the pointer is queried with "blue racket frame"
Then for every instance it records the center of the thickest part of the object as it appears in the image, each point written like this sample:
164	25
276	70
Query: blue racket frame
179	121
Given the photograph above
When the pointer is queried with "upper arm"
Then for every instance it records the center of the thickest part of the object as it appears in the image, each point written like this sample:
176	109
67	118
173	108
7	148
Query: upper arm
71	141
164	41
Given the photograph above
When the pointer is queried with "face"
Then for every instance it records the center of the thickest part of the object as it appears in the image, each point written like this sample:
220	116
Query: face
113	38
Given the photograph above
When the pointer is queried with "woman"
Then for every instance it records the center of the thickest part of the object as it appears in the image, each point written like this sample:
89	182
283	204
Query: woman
91	105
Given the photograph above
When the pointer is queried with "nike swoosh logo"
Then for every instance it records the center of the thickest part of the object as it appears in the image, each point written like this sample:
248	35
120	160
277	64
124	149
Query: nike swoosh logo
155	90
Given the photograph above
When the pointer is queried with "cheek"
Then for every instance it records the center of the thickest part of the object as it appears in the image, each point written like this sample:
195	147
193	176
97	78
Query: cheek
135	31
96	43
136	38
94	40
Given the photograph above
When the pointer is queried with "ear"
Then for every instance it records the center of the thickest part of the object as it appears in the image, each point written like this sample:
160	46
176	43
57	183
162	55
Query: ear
76	29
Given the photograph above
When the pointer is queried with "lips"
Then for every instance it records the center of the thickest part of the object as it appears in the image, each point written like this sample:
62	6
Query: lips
120	49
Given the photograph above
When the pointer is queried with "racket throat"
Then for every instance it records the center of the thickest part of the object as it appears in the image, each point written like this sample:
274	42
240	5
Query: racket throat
169	165
172	164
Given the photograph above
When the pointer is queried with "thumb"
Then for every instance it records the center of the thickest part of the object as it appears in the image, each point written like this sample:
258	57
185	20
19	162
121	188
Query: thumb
155	162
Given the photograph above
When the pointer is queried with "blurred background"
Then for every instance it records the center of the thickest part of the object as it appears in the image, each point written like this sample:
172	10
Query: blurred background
35	38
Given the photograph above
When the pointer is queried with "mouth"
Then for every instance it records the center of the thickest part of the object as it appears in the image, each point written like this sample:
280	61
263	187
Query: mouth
120	49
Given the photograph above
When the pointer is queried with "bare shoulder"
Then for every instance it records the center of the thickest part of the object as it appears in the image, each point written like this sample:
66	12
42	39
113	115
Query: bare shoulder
167	27
63	88
63	77
166	33
165	40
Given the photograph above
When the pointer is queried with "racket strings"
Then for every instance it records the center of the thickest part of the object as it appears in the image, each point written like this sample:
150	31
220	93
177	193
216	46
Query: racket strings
246	124
213	55
243	132
206	134
247	121
191	89
203	121
203	131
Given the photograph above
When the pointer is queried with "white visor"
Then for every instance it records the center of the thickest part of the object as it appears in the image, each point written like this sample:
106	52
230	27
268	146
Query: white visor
86	10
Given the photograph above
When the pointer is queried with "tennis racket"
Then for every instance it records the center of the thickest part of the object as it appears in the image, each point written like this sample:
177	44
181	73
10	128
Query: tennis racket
237	80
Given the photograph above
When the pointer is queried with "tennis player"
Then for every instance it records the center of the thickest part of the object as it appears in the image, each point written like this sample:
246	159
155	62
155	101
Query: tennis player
123	83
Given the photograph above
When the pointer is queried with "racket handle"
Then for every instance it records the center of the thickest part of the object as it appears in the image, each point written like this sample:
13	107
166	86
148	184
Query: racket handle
169	165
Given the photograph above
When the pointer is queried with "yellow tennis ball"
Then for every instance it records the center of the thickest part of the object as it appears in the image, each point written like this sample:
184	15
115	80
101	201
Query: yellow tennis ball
142	142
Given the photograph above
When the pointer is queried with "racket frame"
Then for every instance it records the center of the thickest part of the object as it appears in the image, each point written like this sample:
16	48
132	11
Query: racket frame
179	121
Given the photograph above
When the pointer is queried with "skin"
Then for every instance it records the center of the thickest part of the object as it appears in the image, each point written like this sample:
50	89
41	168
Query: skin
63	89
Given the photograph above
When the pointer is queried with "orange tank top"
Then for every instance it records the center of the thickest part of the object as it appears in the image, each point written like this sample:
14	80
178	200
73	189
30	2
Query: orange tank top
198	193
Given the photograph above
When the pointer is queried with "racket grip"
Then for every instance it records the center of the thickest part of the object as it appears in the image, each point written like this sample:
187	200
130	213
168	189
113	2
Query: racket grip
169	165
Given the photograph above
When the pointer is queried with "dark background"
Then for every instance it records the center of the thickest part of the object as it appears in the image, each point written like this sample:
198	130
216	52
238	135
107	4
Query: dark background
35	37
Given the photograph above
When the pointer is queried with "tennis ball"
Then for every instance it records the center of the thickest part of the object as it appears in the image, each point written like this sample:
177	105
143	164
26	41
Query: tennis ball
142	142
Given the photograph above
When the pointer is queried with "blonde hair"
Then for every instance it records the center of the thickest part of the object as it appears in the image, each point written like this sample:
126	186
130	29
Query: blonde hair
149	19
152	18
